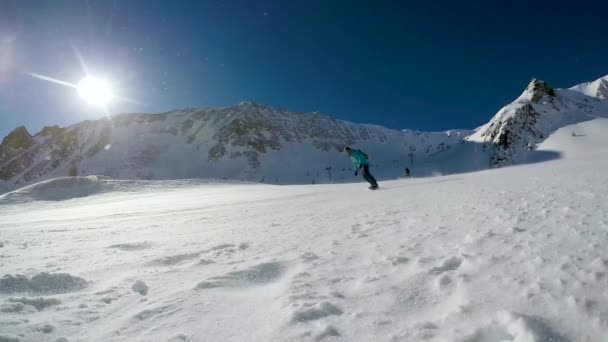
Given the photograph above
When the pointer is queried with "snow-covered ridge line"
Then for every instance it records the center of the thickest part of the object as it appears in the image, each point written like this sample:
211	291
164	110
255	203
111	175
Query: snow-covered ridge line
244	142
597	88
259	143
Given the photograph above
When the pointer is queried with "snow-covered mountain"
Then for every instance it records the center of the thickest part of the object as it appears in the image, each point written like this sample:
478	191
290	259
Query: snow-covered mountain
249	142
514	132
259	143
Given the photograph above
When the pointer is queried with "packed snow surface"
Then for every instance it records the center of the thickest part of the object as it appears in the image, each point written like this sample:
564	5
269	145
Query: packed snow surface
514	254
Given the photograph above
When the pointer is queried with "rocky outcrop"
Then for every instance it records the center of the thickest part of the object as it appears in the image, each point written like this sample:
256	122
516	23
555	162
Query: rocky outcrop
602	89
15	143
511	131
539	89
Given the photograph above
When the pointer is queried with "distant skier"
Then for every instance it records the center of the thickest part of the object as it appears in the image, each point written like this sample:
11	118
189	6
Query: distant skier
360	161
407	173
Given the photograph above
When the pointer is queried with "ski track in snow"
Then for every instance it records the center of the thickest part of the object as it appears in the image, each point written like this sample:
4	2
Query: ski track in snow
516	254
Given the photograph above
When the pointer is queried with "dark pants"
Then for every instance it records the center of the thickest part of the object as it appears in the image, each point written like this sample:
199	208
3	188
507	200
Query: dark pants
368	176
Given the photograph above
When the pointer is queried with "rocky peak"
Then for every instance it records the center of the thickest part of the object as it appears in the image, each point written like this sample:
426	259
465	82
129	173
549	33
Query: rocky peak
20	131
249	104
15	142
539	88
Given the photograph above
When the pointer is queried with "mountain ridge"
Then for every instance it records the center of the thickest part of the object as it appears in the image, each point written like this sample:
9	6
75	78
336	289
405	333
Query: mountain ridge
256	142
242	134
597	88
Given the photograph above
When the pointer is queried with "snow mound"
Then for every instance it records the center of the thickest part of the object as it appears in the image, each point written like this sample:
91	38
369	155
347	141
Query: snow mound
59	189
140	287
42	283
514	327
320	310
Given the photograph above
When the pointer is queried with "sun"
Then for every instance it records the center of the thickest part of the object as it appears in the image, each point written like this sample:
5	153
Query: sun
94	91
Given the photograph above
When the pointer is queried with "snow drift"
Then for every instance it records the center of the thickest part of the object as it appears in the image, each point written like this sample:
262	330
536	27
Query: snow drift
60	189
67	188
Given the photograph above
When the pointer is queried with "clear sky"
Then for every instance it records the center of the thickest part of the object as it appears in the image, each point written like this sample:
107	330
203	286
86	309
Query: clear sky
429	65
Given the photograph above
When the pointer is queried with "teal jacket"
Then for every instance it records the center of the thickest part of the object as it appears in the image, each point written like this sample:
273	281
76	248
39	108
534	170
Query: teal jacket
359	159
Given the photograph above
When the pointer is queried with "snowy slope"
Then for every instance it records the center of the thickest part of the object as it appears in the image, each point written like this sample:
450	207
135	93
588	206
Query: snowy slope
597	88
513	254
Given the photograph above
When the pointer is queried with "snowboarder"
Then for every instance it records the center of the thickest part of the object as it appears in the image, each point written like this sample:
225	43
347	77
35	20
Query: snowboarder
407	173
360	161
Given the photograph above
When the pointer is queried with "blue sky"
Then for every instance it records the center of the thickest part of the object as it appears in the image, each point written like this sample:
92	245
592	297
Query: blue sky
422	65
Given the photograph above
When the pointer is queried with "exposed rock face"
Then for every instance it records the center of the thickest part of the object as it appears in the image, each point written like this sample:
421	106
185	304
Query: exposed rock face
602	90
29	157
511	132
538	89
15	143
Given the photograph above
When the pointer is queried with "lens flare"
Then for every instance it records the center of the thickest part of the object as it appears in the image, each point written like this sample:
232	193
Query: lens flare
94	91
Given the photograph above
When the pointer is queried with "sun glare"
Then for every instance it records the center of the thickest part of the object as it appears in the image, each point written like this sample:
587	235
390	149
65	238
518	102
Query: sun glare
94	91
